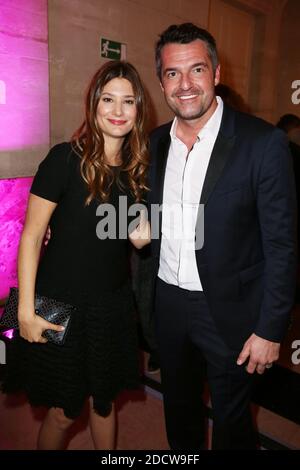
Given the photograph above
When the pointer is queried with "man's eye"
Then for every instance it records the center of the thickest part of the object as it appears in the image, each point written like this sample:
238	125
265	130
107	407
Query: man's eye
171	74
198	69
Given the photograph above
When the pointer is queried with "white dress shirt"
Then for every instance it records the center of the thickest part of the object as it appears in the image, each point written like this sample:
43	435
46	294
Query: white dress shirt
184	178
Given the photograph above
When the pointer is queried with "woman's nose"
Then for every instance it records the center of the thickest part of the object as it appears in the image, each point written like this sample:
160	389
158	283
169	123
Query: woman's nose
118	109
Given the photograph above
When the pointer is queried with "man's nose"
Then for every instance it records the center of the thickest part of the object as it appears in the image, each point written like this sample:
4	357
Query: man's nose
185	82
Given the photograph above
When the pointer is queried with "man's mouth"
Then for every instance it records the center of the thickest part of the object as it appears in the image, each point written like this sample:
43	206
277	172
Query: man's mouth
186	97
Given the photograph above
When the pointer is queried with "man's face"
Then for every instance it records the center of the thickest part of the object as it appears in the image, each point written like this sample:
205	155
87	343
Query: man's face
188	80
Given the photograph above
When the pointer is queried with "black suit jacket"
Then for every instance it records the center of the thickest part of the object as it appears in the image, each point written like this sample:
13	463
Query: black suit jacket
247	265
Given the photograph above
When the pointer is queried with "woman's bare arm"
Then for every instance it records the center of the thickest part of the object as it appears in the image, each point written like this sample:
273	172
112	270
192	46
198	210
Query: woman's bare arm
38	215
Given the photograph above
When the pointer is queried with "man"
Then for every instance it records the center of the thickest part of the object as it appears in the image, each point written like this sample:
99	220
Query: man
224	306
290	124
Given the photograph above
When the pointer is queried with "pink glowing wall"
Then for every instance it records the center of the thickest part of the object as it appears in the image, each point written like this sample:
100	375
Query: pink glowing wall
24	95
24	117
13	196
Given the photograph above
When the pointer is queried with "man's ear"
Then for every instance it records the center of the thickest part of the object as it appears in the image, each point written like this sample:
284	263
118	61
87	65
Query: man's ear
217	75
161	87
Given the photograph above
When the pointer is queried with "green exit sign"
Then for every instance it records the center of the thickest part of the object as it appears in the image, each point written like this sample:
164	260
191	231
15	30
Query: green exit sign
112	49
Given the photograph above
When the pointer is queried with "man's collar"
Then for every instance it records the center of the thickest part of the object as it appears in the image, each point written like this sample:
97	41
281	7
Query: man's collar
211	127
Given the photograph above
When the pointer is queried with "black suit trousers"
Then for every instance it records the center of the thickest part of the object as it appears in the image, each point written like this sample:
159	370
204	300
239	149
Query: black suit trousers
191	348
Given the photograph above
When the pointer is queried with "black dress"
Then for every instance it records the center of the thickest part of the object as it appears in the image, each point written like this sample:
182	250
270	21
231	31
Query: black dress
100	355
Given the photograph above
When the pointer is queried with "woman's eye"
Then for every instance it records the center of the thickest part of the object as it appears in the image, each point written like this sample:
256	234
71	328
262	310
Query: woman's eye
130	102
106	99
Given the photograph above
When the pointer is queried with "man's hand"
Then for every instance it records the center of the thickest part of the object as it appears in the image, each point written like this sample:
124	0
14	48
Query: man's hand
141	235
261	353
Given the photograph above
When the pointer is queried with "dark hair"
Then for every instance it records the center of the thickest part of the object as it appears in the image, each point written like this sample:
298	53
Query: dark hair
184	34
88	140
288	122
232	98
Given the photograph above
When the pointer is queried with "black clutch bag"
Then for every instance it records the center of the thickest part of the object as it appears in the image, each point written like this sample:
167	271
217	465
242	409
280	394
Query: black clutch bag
51	310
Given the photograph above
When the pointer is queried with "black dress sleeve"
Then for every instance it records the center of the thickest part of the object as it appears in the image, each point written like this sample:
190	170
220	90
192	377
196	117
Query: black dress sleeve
51	179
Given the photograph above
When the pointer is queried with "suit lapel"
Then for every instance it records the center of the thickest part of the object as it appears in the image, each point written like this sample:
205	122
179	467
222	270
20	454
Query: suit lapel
160	157
162	151
219	157
220	154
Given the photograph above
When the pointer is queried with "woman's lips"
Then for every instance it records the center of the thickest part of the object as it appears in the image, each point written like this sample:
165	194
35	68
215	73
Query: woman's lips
117	122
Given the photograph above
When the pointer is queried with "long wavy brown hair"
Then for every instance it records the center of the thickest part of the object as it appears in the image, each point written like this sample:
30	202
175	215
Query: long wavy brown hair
88	140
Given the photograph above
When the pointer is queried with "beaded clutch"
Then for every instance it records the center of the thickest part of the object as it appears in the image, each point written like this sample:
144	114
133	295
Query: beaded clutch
51	310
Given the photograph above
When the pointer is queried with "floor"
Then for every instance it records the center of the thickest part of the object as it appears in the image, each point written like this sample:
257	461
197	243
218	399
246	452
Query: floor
140	424
275	408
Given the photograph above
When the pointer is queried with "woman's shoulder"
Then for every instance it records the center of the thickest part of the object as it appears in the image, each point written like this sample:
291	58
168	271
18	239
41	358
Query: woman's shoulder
55	171
61	155
66	150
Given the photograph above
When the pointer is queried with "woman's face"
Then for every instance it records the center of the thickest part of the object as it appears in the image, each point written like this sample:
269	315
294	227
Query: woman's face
116	111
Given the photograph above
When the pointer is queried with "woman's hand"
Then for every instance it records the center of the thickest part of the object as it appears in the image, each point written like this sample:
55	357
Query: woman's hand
32	328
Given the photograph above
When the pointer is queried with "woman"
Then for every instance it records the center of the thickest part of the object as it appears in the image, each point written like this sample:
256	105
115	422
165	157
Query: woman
107	158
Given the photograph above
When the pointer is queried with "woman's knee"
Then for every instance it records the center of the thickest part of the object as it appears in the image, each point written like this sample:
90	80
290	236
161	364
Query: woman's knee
61	421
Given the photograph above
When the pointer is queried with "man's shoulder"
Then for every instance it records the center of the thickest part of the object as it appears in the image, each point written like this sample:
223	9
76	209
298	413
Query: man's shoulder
254	125
160	131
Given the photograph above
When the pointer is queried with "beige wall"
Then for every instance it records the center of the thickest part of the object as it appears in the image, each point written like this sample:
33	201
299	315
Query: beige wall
75	28
247	32
289	59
